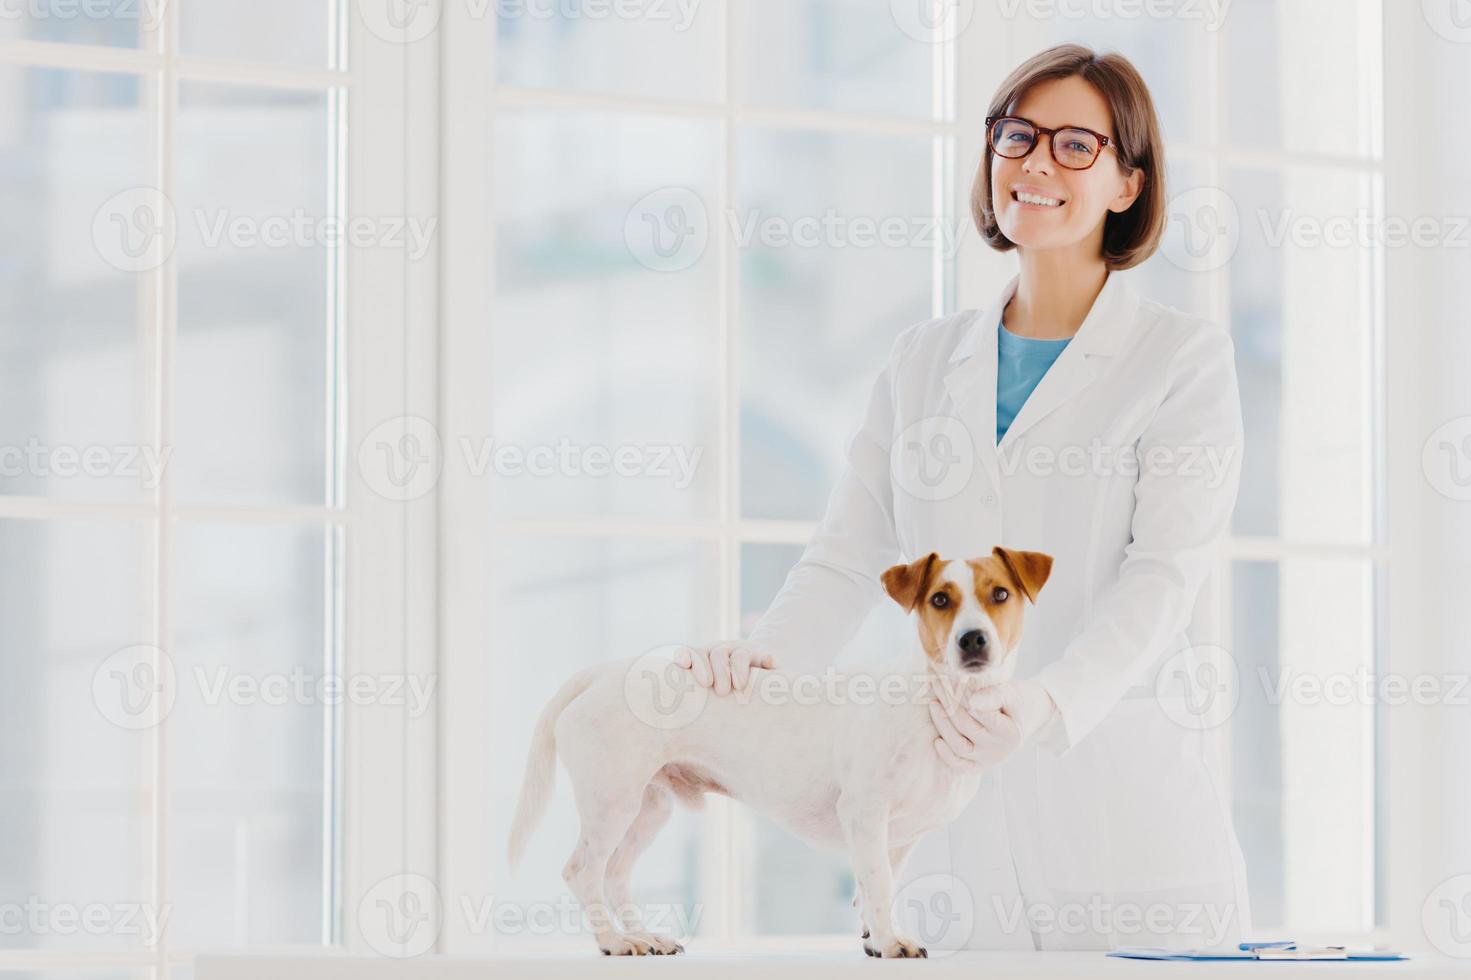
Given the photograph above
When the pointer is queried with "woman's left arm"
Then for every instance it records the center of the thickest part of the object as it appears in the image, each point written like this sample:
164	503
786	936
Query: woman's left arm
1189	472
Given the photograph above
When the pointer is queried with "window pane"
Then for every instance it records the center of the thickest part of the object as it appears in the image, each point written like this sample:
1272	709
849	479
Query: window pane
297	32
1170	51
1303	737
246	735
115	23
844	55
662	50
764	568
1180	273
1301	306
837	239
560	605
252	368
74	151
73	803
604	371
1297	74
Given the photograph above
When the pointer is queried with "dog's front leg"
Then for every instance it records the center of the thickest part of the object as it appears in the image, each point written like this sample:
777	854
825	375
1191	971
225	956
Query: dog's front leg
896	861
866	828
897	857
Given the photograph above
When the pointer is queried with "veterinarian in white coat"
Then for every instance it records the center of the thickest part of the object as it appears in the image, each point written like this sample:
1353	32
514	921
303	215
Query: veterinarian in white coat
1103	819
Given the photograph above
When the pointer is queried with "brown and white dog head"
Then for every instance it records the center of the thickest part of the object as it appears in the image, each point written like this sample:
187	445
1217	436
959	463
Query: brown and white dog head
970	612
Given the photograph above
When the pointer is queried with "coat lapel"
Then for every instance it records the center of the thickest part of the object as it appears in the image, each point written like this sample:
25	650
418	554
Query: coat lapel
970	381
971	377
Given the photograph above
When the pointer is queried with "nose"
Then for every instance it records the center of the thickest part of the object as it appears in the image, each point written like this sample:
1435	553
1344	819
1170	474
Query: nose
972	647
1039	160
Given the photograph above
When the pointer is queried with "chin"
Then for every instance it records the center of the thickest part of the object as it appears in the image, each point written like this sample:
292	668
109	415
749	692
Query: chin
991	674
1026	235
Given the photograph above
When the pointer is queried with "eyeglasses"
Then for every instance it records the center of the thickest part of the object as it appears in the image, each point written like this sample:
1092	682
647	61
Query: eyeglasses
1073	147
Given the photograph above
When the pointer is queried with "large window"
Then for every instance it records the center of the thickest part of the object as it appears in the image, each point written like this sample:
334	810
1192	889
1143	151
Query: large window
1306	307
175	526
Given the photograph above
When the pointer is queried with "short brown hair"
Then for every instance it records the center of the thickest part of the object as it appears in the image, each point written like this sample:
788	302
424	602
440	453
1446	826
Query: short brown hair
1131	236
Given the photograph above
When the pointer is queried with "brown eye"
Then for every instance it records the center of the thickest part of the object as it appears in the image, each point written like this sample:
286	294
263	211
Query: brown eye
939	600
999	594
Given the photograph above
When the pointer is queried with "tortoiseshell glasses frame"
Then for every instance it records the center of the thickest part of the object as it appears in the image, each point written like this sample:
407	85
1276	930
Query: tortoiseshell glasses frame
1065	158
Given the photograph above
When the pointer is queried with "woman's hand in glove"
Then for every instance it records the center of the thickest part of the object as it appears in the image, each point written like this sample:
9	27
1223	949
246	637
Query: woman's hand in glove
991	725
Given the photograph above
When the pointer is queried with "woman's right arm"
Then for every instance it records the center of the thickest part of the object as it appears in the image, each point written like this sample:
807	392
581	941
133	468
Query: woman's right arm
835	584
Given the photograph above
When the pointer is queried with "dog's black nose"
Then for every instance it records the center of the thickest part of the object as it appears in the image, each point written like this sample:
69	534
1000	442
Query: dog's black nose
972	646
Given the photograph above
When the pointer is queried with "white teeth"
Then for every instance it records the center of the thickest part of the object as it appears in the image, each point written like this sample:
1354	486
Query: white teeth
1050	202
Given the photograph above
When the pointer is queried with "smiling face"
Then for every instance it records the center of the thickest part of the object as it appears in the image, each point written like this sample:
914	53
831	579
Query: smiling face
1040	204
969	613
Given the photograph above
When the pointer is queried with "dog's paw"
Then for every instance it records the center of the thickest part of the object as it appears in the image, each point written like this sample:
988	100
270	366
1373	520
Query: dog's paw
640	944
658	945
619	946
897	948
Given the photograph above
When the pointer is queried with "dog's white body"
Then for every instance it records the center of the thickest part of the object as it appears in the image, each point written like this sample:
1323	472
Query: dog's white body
841	760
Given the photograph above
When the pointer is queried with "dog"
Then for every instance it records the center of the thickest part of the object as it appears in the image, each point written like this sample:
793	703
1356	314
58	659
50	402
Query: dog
853	773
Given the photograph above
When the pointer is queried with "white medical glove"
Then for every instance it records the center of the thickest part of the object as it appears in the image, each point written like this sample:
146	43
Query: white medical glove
724	666
992	724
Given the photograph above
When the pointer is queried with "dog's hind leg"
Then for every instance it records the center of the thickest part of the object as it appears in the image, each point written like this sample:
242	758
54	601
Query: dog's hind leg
658	804
606	817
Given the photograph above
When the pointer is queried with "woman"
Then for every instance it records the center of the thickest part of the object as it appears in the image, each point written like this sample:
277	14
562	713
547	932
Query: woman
1106	431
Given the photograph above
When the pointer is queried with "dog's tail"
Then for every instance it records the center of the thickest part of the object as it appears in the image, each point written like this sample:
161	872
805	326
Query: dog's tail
541	766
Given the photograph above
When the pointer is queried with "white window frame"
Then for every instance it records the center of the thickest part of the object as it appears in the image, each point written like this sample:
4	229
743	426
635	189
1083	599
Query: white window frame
1414	801
379	820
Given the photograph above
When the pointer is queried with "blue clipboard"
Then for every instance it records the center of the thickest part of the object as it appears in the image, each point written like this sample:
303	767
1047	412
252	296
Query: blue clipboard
1286	950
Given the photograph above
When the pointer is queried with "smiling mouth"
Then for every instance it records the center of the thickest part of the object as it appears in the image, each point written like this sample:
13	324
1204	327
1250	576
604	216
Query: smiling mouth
1037	200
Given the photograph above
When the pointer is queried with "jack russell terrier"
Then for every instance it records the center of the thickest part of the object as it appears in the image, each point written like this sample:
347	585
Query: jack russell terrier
853	773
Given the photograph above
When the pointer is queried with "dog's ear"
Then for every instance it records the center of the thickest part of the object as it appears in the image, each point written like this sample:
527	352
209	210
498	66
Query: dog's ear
1029	568
906	582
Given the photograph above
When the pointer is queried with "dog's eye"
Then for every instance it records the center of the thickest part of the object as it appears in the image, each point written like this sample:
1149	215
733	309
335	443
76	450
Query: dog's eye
999	595
939	600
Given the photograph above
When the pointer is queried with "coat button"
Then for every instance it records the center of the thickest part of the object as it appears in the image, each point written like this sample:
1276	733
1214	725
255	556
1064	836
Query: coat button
990	499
